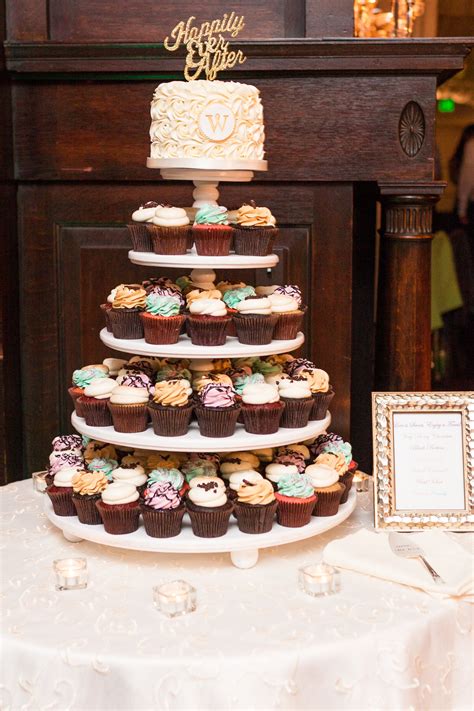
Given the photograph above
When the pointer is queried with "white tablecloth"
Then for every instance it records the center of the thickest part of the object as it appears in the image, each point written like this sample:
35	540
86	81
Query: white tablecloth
255	642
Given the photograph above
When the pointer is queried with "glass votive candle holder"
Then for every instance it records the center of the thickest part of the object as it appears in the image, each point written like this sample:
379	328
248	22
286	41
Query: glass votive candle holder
319	579
361	481
71	573
174	598
39	481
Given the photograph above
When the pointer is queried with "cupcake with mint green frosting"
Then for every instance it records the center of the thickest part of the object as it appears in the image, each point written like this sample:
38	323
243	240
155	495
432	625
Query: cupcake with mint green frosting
212	233
162	319
170	476
83	377
296	500
105	465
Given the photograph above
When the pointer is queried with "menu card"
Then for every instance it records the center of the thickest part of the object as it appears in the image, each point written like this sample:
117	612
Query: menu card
428	461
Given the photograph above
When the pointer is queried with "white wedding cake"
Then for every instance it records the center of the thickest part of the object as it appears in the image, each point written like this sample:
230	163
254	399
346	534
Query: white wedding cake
215	125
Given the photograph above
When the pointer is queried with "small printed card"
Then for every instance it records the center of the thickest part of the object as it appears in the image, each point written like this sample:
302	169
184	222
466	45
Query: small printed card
423	460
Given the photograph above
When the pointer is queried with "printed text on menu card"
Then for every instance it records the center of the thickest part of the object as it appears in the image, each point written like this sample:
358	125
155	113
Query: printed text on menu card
428	461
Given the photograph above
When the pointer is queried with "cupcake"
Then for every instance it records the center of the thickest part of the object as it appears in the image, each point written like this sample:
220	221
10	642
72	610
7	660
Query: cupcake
65	458
231	297
296	500
327	487
236	479
338	459
208	507
296	395
276	471
132	473
60	492
139	234
171	407
169	230
68	443
216	378
86	490
321	391
119	508
99	449
238	462
114	365
217	410
124	315
162	510
254	320
203	279
207	322
128	407
254	230
286	302
261	408
211	231
199	467
172	476
255	506
162	320
292	458
94	402
83	377
104	465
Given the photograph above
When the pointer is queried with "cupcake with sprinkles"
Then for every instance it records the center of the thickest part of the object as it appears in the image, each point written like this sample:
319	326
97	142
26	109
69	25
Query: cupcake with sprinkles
287	303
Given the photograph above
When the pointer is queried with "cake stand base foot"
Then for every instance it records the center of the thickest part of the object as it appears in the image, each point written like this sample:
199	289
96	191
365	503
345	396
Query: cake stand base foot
244	559
71	537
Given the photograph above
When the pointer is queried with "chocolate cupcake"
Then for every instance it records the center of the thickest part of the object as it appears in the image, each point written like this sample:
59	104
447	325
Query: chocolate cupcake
296	395
139	234
211	231
338	456
169	230
171	407
162	320
254	321
327	488
83	377
217	410
94	402
208	507
119	508
254	230
162	510
207	318
124	315
296	500
86	490
231	297
128	407
261	408
286	302
60	492
255	506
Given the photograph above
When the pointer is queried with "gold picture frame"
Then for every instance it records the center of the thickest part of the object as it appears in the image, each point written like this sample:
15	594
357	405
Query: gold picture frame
423	448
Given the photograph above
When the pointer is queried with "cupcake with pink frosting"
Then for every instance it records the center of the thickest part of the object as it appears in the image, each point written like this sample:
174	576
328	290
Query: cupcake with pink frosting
162	510
217	410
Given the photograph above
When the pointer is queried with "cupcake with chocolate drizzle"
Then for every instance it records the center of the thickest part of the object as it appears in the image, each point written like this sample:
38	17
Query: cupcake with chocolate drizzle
162	509
139	234
217	410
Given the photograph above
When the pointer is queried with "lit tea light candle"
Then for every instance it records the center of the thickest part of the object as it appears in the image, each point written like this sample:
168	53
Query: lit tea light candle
175	598
319	579
39	481
361	481
71	573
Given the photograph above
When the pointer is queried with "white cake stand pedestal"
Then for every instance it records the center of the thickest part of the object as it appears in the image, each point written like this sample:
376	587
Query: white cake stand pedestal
243	547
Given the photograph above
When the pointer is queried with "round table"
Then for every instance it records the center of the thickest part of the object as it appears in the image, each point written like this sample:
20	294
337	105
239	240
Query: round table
255	641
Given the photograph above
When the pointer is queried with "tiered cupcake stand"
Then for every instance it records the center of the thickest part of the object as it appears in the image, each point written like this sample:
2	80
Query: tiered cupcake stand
242	547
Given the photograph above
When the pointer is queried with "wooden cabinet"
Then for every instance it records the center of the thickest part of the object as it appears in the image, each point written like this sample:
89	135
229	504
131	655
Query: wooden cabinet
78	87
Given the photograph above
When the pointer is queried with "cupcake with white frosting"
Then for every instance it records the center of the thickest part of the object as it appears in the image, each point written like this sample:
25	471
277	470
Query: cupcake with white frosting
255	505
321	390
128	407
139	234
94	402
169	230
327	487
287	303
60	491
132	473
275	471
296	394
119	508
261	408
254	320
207	319
209	507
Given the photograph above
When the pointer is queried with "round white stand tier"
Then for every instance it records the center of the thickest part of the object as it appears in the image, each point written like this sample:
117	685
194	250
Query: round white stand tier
193	441
185	349
243	547
192	260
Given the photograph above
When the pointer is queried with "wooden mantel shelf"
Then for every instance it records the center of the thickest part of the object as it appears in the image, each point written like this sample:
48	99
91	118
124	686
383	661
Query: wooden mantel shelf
440	56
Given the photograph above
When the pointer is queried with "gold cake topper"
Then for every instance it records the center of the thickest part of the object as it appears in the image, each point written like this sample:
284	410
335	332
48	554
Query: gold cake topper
207	49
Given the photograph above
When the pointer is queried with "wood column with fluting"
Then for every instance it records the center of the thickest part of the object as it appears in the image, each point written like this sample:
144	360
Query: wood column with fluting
404	287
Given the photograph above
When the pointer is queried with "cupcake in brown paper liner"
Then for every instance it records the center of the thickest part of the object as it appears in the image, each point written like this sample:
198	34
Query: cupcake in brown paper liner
60	492
207	317
119	508
87	488
94	402
296	395
261	408
255	506
162	510
208	507
254	230
128	406
171	407
254	320
327	487
128	303
169	230
139	233
287	303
217	410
